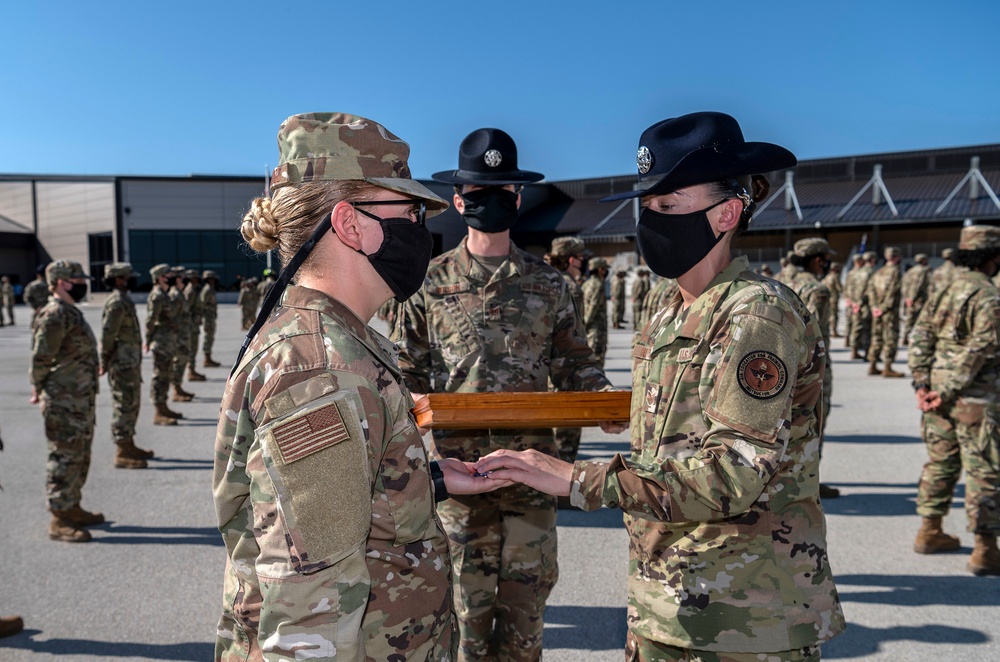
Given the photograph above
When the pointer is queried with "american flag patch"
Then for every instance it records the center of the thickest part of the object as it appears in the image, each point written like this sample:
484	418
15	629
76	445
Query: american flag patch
310	433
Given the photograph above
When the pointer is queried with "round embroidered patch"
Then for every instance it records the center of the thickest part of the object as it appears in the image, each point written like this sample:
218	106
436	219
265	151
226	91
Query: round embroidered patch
762	375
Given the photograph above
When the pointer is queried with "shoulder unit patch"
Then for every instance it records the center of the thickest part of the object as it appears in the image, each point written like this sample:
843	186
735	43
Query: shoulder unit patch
762	375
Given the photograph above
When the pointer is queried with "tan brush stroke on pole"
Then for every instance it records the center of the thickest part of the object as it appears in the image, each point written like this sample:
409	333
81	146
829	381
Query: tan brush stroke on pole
455	411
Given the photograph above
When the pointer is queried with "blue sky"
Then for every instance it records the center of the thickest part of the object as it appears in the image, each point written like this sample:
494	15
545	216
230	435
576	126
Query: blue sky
175	88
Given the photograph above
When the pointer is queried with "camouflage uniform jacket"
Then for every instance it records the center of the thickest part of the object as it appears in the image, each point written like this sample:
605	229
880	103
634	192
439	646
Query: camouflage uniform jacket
851	285
832	282
193	304
942	277
618	289
36	294
861	286
208	302
659	295
595	312
916	283
720	493
160	314
121	340
816	296
7	294
884	289
63	354
640	288
467	331
954	345
324	499
263	288
182	311
787	273
576	293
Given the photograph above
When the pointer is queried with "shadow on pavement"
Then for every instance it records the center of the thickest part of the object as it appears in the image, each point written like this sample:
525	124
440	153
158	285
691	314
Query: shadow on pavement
151	535
585	628
871	439
124	649
871	504
859	640
605	518
920	590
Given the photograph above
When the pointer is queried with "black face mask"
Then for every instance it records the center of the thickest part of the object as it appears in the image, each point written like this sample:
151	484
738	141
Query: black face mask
131	284
492	209
673	243
78	291
403	257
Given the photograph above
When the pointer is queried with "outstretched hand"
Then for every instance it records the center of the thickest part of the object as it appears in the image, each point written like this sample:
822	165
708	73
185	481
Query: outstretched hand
460	478
537	470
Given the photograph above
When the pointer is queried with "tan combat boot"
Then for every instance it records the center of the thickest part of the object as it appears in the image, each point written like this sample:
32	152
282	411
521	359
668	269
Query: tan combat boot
82	517
931	539
125	460
873	366
180	395
985	559
135	451
854	353
162	416
66	530
887	371
193	376
10	625
209	363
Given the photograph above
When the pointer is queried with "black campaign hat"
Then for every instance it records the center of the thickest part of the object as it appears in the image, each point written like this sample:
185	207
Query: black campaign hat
487	157
697	149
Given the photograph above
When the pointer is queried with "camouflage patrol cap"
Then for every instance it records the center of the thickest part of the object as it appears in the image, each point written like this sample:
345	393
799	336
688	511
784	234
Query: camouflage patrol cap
598	263
63	269
178	270
160	270
567	246
891	252
869	255
315	147
191	273
208	273
920	257
812	246
979	237
948	253
119	270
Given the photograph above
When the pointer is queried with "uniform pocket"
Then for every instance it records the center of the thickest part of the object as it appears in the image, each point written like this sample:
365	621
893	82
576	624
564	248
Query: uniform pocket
317	460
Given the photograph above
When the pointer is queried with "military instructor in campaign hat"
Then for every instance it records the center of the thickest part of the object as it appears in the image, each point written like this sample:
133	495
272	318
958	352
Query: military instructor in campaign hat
720	490
491	317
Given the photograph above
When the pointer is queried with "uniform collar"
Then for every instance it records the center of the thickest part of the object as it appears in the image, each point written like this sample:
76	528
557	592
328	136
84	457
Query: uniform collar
472	270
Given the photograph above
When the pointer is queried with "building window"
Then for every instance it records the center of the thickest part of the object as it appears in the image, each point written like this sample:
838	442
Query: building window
101	252
222	251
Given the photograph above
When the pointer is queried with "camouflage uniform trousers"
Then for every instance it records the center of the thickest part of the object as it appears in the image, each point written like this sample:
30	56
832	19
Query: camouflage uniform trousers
568	442
192	353
640	649
885	337
861	328
952	446
163	372
598	343
513	529
209	326
126	384
834	315
180	359
910	318
69	429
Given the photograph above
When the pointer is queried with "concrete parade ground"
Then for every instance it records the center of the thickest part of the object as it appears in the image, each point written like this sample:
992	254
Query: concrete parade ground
149	585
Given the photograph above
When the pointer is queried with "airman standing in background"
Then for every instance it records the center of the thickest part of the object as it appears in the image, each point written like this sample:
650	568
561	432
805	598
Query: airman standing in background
944	274
36	293
861	330
182	329
209	314
640	288
63	377
247	301
955	361
851	294
595	308
915	288
192	295
884	296
832	282
7	298
264	286
618	298
788	270
121	361
161	339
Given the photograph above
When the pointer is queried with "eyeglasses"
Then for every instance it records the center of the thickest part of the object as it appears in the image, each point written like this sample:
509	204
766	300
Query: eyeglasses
418	209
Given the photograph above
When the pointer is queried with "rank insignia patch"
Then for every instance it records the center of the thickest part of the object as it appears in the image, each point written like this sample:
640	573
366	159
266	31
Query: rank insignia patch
762	375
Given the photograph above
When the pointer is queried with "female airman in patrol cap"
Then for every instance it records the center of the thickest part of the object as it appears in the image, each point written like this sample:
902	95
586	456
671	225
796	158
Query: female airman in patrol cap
720	491
323	491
